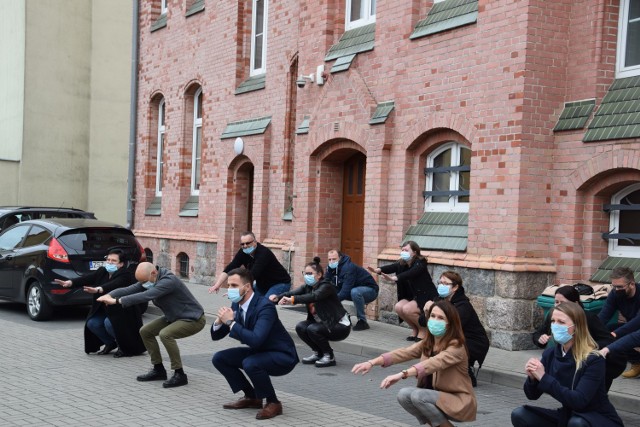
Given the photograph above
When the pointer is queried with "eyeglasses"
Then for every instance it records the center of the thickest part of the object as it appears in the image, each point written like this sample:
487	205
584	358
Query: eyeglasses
245	244
621	287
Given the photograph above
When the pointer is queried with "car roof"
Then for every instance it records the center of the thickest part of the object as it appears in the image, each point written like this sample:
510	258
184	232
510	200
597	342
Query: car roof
72	223
41	208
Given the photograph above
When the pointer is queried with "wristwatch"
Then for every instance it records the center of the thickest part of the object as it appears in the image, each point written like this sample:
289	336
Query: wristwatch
228	322
405	374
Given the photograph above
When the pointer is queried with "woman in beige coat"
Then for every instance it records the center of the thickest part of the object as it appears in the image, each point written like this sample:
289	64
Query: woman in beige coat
444	390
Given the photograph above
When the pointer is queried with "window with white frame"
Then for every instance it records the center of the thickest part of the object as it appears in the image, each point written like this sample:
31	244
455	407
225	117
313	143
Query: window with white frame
625	223
163	7
197	143
259	21
628	61
360	12
448	174
160	152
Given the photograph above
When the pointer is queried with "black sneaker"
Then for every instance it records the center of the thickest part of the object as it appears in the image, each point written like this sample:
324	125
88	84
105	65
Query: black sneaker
361	325
326	360
153	375
176	380
472	375
310	360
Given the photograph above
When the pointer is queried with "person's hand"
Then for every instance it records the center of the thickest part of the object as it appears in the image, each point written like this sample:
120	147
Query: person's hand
273	298
373	270
544	339
427	306
107	299
91	290
215	287
362	368
613	334
225	314
390	380
534	369
286	301
389	278
604	351
63	283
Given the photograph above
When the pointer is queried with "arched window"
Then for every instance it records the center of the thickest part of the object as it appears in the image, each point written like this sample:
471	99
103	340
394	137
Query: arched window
196	165
259	22
448	174
183	265
624	226
160	156
148	254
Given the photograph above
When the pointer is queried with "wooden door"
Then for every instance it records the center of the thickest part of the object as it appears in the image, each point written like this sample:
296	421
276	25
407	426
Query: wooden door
353	207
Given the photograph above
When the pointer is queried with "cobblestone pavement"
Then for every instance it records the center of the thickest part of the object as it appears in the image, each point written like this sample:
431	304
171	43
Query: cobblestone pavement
47	380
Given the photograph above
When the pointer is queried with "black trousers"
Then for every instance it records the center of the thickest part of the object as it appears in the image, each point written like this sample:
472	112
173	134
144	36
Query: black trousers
317	335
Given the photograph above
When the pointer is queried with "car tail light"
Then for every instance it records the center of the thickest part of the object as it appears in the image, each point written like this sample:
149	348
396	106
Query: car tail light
143	254
56	252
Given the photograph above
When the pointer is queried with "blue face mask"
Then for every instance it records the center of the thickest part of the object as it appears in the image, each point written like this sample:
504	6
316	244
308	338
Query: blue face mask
405	256
444	290
437	327
560	333
333	264
148	285
310	279
111	268
249	250
234	295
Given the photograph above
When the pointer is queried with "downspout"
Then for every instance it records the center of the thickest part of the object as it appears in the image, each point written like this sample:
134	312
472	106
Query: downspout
132	117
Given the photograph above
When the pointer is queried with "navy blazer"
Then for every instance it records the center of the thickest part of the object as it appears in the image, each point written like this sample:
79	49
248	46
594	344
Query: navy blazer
262	330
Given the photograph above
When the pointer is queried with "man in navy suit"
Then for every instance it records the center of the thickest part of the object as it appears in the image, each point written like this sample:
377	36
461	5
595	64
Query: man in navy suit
270	351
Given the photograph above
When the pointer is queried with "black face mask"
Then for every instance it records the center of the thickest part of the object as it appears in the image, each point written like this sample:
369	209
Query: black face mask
621	293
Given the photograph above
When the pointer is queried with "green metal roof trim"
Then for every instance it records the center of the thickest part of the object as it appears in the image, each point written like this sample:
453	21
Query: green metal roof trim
190	208
575	115
619	114
246	127
304	126
161	22
343	63
196	6
251	84
445	16
354	41
604	271
382	112
446	231
155	208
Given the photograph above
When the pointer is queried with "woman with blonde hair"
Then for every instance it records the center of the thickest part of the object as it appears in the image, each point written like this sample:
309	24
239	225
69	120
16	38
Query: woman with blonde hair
572	372
444	390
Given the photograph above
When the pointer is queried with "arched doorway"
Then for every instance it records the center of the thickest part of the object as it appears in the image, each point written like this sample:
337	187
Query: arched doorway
353	184
243	200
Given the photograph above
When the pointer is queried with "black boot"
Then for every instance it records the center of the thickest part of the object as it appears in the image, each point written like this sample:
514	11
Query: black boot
472	375
176	380
155	374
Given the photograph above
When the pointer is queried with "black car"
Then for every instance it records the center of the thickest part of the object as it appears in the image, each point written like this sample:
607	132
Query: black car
34	253
10	215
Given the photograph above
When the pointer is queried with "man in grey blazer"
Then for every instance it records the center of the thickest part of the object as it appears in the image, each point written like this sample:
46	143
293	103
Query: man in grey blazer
183	317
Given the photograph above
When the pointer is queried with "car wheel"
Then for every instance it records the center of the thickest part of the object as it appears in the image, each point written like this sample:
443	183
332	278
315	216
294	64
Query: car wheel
38	307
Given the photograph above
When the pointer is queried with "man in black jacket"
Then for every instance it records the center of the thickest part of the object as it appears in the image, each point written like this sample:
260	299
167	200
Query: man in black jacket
271	278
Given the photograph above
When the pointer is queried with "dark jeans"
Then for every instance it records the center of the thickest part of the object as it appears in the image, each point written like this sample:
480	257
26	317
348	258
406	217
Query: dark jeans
259	367
317	335
101	327
524	416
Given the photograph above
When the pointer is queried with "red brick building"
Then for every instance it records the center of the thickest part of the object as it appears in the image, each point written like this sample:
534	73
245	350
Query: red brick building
502	136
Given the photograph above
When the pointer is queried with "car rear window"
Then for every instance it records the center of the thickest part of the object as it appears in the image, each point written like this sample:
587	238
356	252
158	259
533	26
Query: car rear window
97	241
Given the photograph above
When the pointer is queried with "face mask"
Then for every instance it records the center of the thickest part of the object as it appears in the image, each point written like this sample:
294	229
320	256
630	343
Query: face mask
444	290
111	268
621	292
249	250
437	327
234	294
560	333
148	285
310	279
333	264
405	256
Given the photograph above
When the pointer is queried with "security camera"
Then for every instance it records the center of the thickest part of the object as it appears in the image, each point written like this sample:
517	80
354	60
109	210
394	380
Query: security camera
302	80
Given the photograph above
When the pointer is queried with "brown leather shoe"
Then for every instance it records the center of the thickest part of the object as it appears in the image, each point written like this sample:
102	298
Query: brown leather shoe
270	410
243	403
